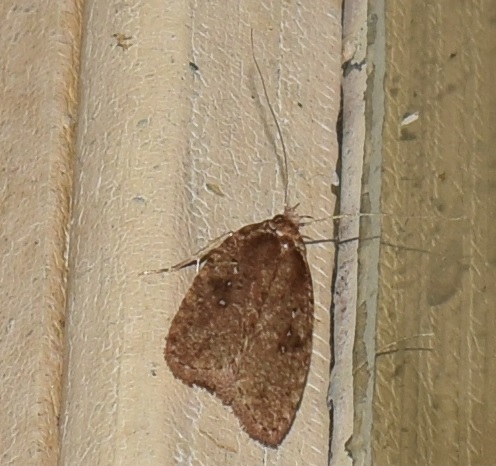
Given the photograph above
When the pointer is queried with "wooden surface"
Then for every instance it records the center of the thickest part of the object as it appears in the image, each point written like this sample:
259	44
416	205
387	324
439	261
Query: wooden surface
426	297
169	157
38	79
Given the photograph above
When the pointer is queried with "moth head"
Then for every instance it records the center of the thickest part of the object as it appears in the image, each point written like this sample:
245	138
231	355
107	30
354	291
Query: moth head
286	224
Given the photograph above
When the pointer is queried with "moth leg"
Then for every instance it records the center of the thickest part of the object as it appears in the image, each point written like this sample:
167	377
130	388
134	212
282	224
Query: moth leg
197	258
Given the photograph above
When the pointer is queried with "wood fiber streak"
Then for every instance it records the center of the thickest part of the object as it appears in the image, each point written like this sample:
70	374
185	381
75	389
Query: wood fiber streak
244	329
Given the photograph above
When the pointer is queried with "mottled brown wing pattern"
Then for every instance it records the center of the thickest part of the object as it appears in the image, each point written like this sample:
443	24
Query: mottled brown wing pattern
244	328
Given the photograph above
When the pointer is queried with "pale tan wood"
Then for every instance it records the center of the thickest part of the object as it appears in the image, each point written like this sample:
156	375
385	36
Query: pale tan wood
155	134
432	276
38	76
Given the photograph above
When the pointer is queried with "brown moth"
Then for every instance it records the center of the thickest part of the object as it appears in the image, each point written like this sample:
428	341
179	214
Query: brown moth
244	329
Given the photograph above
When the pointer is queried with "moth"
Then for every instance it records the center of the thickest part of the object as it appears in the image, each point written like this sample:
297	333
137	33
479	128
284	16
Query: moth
244	329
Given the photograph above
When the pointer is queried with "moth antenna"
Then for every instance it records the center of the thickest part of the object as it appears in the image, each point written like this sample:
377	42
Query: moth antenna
285	176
